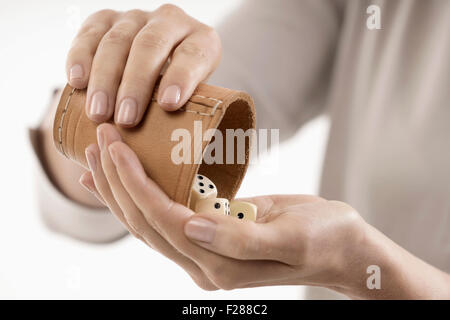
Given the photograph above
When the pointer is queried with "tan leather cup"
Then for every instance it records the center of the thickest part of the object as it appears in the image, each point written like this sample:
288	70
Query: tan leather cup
215	107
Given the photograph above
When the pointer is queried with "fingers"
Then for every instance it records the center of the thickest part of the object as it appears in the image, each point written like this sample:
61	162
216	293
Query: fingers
108	135
192	62
170	217
121	55
166	216
87	181
284	234
108	66
149	52
101	184
81	54
151	200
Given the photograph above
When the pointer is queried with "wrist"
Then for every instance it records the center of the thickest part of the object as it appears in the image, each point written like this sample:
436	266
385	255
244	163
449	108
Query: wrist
358	253
375	267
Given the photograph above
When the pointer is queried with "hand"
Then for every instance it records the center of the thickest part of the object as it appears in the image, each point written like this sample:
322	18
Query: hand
121	55
297	239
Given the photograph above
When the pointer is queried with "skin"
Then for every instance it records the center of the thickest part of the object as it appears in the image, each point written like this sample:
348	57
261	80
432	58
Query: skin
296	240
121	54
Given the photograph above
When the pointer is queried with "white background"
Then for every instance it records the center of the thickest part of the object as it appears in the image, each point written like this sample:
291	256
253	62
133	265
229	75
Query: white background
36	263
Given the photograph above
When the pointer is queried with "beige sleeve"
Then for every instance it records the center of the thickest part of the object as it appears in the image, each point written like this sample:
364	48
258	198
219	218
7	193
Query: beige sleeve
281	53
67	217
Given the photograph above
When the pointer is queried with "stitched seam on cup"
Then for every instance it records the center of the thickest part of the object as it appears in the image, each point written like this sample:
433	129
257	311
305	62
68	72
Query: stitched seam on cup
75	154
217	101
63	115
214	108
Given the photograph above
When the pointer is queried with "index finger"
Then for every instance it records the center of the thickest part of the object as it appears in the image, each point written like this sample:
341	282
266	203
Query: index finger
81	54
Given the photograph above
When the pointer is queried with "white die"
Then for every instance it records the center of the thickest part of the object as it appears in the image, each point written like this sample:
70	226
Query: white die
202	188
243	210
213	205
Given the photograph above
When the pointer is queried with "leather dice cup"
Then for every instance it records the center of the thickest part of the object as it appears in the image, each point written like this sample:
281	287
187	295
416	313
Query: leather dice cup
216	108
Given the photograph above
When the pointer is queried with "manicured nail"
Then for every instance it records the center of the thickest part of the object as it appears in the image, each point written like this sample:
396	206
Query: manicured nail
127	111
100	139
99	103
85	185
171	95
76	72
92	163
200	229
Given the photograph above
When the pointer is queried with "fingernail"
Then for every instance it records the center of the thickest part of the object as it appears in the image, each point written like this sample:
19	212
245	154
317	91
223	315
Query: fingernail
85	185
171	95
76	72
92	163
127	111
98	104
100	139
200	229
113	154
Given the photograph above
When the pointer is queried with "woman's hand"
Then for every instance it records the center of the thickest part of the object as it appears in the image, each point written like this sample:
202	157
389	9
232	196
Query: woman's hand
296	240
121	55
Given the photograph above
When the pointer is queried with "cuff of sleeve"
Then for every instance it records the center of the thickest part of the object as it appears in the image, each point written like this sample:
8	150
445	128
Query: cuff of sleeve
67	217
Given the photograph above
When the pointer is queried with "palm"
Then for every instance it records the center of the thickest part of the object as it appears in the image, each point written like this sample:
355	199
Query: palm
271	207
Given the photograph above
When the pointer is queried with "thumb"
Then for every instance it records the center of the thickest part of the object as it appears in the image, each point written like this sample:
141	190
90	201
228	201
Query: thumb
239	239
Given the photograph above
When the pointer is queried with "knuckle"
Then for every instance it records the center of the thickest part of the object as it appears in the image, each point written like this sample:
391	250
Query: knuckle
126	26
320	199
314	198
190	74
338	204
102	75
104	13
193	50
212	35
136	82
215	44
119	34
352	219
169	9
342	208
135	13
185	74
151	38
91	30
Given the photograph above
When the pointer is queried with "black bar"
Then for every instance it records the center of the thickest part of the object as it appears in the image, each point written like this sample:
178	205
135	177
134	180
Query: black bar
221	309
